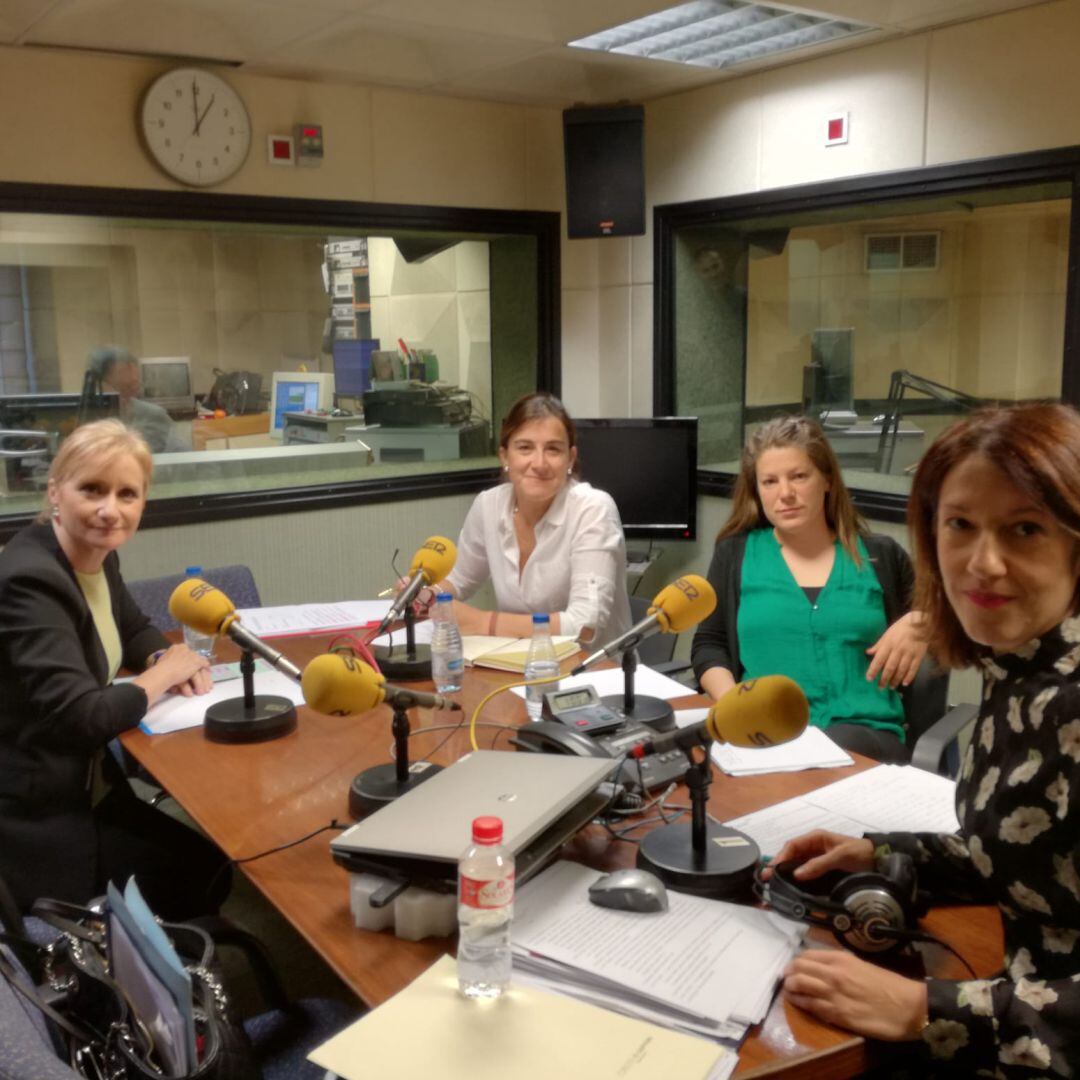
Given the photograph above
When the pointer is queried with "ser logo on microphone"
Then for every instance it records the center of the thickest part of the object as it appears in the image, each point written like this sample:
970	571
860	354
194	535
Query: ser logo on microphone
687	588
204	588
436	545
347	658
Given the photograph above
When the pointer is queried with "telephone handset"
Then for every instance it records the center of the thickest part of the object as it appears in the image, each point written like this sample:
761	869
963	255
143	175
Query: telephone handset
551	737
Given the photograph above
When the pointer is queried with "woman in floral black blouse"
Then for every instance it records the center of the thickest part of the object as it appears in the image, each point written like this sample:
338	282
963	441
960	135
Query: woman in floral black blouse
995	521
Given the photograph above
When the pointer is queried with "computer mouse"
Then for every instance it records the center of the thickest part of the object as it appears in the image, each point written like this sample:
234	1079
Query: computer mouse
629	890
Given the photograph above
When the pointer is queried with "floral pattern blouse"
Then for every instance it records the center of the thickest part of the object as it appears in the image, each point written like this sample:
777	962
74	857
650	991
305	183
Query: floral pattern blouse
1018	803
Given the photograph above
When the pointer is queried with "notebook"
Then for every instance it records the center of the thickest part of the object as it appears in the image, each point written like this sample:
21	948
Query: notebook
543	799
507	653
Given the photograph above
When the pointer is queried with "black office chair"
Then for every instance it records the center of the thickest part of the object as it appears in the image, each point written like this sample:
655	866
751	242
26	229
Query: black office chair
152	594
933	728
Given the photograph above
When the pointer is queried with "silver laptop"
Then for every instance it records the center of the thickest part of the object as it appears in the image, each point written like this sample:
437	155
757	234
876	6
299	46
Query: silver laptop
543	799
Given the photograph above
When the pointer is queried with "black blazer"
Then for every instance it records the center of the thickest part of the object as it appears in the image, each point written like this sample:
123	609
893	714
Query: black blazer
716	642
57	710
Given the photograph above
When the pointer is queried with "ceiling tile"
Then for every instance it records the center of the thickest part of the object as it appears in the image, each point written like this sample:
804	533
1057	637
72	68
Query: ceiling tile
388	52
547	21
17	16
237	30
565	76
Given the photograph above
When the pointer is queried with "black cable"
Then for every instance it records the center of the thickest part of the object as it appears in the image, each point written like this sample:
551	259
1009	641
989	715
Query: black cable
229	863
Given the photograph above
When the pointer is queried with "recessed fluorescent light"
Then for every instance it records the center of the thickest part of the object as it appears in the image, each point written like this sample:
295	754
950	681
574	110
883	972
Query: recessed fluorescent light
719	33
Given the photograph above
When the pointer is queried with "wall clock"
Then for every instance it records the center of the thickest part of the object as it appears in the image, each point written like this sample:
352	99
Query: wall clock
195	126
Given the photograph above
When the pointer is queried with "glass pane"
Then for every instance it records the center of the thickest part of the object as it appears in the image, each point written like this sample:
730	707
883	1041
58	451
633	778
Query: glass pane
256	357
884	321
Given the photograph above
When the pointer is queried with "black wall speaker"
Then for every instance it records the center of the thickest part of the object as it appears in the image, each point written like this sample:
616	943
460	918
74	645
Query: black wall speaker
605	171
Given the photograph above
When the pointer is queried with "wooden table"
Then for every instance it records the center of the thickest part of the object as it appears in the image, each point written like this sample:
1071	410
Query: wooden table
227	427
254	797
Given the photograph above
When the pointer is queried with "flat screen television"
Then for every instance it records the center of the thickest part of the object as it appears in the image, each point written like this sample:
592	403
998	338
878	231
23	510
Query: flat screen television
299	391
166	381
649	467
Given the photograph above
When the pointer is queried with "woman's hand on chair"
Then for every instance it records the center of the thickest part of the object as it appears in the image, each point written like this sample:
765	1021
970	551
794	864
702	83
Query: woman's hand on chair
897	654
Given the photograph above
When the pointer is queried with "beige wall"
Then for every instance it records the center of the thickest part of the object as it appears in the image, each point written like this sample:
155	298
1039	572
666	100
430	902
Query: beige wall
1000	85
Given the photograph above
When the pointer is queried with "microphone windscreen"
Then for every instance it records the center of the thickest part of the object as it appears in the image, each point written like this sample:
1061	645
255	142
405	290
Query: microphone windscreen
436	558
200	605
340	684
760	712
683	603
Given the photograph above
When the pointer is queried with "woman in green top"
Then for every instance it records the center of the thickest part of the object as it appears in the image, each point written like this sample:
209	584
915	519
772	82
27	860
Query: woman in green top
805	590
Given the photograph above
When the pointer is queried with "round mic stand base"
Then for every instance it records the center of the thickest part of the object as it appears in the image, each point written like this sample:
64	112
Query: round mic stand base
269	717
724	872
398	666
379	785
251	718
702	857
655	712
405	663
382	784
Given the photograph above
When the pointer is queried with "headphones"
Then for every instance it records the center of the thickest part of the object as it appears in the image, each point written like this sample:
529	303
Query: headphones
868	912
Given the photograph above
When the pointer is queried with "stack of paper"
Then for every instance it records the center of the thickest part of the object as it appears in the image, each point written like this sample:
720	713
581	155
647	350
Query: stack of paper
525	1034
507	653
705	967
153	979
888	798
271	622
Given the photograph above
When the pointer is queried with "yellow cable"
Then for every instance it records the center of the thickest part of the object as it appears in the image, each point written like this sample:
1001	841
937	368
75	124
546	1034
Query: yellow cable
498	690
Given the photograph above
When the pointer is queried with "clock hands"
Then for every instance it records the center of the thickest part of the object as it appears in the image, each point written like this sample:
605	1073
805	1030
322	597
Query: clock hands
200	119
195	105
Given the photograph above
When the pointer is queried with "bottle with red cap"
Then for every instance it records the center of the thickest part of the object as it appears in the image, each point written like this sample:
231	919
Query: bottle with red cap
485	911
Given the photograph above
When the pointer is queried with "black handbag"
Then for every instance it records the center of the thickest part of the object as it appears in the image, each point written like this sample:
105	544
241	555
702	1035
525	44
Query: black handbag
91	1015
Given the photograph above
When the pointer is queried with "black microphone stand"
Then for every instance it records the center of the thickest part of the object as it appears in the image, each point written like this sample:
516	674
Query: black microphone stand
408	662
653	711
702	858
251	718
382	784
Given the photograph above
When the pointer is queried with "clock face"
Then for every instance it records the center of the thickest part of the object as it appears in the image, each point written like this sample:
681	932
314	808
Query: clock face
195	126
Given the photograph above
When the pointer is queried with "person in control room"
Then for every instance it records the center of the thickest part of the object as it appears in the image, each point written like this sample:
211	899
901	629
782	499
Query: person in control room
805	590
69	821
547	541
117	370
994	514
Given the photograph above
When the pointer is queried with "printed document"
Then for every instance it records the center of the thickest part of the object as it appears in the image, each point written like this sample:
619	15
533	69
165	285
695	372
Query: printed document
704	961
612	681
887	798
269	622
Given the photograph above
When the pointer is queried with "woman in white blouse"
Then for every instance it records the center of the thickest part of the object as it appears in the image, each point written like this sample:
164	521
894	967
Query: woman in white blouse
548	542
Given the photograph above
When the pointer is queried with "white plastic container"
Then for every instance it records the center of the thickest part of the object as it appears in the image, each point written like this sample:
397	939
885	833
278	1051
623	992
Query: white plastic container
447	657
540	664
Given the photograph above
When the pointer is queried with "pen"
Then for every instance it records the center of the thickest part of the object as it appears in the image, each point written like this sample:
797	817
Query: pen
385	593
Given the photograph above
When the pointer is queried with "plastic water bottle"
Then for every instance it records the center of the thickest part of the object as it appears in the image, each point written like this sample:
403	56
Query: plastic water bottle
200	643
541	663
485	911
447	661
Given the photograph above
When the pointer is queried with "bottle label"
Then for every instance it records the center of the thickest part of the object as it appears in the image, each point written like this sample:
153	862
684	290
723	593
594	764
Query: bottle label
486	894
455	665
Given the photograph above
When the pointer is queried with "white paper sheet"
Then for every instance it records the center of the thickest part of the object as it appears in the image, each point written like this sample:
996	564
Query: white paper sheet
175	712
611	681
712	961
271	622
888	798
